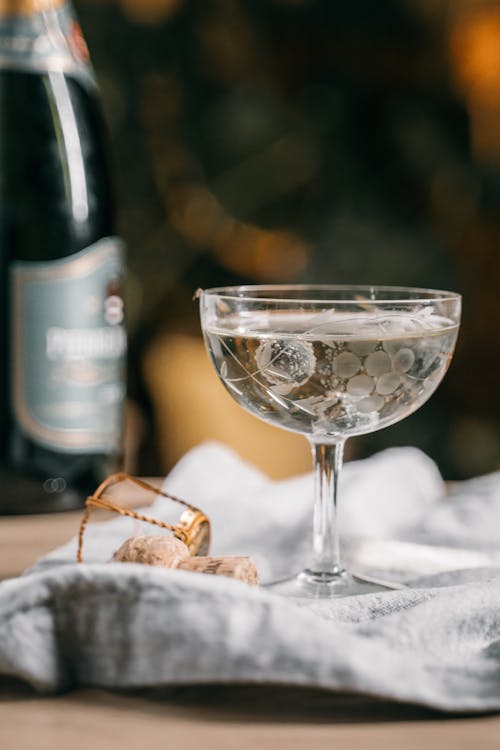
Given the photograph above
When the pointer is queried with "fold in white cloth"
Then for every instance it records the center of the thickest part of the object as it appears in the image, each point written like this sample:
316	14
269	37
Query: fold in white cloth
434	642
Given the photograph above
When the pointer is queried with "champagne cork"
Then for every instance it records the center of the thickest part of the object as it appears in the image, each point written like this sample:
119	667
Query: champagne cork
169	552
164	551
241	568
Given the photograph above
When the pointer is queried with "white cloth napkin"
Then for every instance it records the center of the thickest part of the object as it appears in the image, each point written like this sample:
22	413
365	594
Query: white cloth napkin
434	642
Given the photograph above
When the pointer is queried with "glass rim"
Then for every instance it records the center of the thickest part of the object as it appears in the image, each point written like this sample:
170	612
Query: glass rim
244	292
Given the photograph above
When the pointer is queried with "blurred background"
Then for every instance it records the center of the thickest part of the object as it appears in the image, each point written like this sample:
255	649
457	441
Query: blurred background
302	140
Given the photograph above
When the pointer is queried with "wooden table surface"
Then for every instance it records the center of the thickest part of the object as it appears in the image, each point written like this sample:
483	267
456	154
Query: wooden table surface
209	718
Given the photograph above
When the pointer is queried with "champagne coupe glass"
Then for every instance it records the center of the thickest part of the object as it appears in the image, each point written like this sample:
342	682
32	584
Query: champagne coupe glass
329	362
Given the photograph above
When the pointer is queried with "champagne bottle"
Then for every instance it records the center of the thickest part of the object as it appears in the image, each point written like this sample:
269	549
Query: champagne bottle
62	338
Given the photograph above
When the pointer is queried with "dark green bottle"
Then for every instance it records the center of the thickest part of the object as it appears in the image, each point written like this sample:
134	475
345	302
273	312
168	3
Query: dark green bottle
62	337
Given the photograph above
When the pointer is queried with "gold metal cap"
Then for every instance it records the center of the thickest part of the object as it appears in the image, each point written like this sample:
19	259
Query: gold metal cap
193	529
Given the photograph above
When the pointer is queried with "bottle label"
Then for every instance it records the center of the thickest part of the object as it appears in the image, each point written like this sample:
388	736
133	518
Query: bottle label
48	41
68	349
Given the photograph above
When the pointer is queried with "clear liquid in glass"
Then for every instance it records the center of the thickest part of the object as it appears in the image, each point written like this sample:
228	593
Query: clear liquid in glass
332	374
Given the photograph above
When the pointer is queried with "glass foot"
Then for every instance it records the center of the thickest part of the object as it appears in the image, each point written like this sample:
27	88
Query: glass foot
311	585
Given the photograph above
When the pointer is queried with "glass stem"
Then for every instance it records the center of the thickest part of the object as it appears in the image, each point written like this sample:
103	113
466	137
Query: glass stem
327	468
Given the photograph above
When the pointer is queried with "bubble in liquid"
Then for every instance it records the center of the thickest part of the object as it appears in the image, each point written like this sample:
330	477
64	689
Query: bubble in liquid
369	404
285	362
346	365
362	348
403	360
360	385
392	346
388	383
377	363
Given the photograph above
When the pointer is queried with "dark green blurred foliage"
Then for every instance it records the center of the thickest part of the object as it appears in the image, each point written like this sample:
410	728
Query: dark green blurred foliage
306	140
